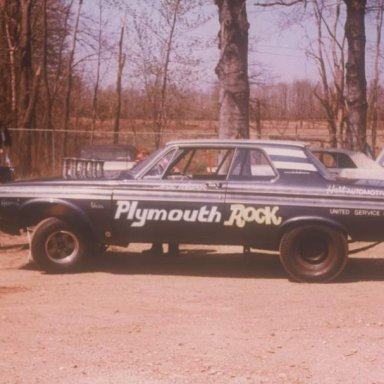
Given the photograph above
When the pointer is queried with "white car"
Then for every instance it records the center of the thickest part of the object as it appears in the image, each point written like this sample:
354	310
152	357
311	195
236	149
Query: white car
380	158
349	164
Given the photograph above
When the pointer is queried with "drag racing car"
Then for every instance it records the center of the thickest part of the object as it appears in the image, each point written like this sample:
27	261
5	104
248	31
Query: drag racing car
273	195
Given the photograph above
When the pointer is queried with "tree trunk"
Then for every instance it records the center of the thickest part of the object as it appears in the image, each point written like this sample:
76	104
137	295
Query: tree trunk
25	59
97	81
161	116
48	136
25	86
12	69
258	118
120	67
67	104
232	69
375	83
355	75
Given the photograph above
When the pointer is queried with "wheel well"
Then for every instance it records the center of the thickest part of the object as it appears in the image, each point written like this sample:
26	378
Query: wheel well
33	213
302	221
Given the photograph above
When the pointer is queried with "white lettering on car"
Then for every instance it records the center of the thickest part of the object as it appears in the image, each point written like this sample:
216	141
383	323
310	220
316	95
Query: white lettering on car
354	191
340	211
96	205
356	212
367	212
241	215
139	216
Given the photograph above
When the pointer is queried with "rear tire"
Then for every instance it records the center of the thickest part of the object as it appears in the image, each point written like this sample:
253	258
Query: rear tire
313	253
58	247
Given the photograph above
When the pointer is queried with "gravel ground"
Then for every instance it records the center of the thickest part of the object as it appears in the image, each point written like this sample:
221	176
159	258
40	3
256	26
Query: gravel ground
210	315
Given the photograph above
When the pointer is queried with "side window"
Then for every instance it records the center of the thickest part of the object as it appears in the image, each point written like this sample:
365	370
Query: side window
202	164
252	164
157	171
335	160
327	159
344	161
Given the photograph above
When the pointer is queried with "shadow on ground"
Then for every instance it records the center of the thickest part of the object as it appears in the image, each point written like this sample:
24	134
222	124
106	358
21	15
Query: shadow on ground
204	263
208	263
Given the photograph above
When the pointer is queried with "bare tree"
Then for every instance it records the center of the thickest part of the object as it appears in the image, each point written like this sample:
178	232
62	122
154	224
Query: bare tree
30	32
61	43
28	85
232	69
11	48
330	61
68	90
120	68
356	84
25	52
163	60
355	79
374	99
98	66
47	88
161	115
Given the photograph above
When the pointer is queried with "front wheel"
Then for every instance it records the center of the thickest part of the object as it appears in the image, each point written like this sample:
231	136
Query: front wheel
57	246
313	253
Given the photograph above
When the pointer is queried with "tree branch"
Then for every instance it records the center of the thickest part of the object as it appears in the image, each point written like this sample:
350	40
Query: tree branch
281	2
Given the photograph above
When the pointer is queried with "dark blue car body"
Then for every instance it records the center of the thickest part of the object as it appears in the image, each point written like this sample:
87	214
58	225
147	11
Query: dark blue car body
266	194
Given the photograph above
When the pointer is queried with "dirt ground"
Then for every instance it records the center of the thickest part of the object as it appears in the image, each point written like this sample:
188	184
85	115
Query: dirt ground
210	315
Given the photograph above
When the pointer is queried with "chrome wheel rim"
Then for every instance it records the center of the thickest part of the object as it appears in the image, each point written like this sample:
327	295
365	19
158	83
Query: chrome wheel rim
62	247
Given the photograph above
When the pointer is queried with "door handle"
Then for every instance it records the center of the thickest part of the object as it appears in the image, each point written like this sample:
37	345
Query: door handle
214	185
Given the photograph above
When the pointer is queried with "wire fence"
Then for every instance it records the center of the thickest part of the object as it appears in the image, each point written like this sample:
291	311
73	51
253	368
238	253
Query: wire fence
312	130
47	146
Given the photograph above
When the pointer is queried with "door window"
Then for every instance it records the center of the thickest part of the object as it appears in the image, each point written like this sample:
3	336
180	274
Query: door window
252	164
201	164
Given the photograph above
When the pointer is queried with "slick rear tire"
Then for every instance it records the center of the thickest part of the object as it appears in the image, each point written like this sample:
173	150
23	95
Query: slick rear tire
313	253
58	247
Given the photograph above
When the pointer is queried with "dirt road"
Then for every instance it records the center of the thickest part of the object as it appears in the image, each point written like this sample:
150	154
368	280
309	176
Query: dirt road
211	315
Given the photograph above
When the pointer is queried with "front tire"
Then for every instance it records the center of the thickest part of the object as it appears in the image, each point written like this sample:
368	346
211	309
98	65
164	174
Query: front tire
57	246
313	253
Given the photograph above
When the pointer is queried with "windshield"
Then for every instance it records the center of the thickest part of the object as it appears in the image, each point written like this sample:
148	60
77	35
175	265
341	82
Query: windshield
139	165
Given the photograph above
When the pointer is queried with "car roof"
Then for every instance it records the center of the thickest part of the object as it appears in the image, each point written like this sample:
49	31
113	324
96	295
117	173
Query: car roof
238	142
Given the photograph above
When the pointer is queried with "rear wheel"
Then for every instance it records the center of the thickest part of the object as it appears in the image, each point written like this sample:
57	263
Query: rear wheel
57	246
313	253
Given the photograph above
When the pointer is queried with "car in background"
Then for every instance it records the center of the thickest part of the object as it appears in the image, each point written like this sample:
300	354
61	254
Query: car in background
349	164
380	158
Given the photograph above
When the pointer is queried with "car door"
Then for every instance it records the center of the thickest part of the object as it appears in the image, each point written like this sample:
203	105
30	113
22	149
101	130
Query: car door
180	198
253	211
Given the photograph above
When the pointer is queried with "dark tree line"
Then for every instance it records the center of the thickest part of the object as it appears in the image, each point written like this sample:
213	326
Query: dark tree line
33	43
